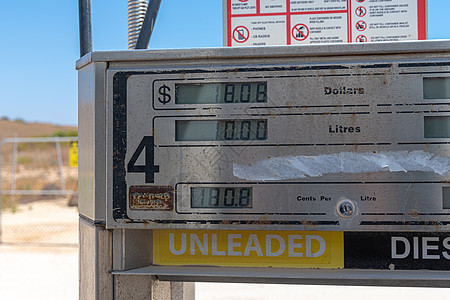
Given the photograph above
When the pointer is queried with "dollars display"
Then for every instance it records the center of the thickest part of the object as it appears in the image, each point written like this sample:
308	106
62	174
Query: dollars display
210	93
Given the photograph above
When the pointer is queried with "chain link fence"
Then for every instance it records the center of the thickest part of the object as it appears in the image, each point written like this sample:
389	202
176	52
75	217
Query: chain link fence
38	191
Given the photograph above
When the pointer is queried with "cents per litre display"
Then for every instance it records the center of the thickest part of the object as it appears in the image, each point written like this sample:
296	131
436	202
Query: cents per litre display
221	197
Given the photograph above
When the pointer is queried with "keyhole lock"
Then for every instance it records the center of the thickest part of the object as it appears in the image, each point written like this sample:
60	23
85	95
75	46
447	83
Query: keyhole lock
346	208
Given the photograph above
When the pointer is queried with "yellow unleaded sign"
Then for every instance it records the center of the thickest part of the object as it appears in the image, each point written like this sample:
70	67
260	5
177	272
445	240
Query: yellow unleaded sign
288	249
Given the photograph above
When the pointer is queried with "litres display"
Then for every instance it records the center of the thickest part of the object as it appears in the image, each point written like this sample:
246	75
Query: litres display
221	130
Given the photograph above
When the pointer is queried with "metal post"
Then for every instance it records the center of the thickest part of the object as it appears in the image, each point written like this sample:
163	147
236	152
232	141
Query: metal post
84	13
60	164
147	26
136	16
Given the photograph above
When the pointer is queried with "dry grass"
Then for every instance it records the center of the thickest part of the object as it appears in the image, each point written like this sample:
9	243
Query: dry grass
9	129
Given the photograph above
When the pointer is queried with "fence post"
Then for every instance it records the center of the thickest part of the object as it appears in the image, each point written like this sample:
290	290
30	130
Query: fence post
14	165
60	164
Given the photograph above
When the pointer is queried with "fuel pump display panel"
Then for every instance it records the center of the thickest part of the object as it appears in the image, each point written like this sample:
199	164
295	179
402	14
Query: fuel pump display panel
356	146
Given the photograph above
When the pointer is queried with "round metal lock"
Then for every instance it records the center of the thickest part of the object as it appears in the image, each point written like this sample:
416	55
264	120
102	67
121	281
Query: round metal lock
346	208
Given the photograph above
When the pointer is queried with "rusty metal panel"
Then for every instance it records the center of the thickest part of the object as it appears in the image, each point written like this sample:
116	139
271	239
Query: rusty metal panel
151	197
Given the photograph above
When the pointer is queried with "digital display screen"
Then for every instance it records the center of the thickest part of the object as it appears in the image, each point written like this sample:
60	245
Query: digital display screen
446	197
221	197
209	93
221	130
436	88
437	127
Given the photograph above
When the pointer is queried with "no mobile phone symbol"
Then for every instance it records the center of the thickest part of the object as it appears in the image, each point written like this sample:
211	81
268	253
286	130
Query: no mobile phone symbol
241	34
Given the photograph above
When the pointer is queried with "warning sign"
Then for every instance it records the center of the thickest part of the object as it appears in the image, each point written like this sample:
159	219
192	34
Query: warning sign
73	154
300	32
255	31
241	34
361	39
361	11
288	22
361	25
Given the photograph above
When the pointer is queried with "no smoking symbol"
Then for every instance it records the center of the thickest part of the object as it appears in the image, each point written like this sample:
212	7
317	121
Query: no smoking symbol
241	34
361	25
361	11
361	39
300	32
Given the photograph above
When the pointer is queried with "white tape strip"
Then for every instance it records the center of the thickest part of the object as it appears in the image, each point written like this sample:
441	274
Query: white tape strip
291	167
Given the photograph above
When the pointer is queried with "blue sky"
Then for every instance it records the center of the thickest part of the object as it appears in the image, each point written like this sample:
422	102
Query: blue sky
40	45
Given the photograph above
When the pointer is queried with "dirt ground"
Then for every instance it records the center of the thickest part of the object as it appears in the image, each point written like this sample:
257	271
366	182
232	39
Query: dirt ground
45	222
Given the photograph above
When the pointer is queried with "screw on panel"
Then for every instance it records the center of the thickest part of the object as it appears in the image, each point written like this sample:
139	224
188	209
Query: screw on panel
346	208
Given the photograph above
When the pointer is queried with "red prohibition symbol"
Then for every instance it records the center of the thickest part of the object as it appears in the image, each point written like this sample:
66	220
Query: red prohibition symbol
241	34
361	25
361	11
360	1
300	32
361	38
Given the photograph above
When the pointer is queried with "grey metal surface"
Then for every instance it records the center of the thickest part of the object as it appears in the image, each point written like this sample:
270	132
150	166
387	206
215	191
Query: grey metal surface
294	276
95	262
91	128
303	118
343	51
133	249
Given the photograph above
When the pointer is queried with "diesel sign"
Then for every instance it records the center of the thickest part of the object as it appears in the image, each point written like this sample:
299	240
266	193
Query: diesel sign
397	250
426	247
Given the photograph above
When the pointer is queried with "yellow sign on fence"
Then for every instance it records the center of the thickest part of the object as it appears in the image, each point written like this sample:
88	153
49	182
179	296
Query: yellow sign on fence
73	154
284	249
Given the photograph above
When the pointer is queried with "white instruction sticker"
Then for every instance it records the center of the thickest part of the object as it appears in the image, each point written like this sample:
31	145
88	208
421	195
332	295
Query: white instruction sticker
292	22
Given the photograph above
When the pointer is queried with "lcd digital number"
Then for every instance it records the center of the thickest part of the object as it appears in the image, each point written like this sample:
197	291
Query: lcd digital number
221	197
210	93
221	130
